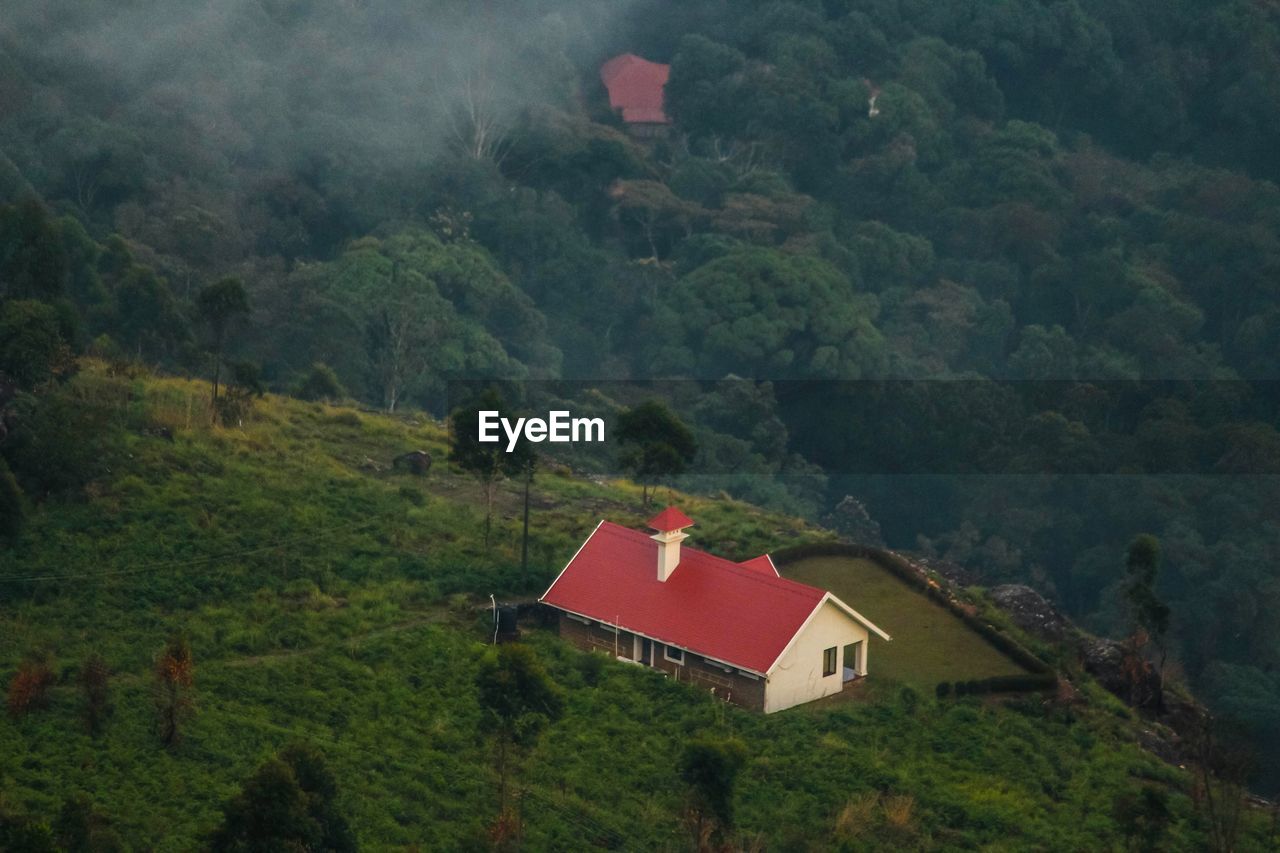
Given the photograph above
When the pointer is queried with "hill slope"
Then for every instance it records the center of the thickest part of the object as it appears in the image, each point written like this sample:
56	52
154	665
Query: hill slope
326	599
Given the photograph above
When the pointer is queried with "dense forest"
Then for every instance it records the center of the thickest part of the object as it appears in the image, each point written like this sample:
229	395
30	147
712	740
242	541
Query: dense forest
1072	196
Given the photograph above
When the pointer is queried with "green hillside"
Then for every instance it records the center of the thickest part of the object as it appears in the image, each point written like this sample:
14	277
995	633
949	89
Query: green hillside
331	599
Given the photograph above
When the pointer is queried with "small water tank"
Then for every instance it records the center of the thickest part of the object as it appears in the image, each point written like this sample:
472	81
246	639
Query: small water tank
508	626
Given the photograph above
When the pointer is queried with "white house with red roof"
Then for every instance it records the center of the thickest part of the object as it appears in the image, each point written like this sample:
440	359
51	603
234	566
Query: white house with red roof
739	629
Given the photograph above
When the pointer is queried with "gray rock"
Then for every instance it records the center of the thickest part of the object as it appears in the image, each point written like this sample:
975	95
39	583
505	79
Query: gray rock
1030	611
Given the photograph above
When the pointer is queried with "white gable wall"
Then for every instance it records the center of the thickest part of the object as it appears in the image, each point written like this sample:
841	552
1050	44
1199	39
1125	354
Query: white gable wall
797	676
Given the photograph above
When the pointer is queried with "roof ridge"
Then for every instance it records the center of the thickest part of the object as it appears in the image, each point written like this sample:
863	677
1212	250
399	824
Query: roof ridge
778	582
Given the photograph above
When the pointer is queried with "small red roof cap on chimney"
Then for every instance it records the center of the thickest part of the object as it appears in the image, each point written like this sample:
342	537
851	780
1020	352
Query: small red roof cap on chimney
670	519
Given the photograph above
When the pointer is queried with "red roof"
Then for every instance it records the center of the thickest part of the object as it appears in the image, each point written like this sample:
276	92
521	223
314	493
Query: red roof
761	564
710	606
635	88
670	519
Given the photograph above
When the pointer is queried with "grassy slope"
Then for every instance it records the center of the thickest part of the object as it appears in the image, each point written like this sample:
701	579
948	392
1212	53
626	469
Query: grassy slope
323	601
929	644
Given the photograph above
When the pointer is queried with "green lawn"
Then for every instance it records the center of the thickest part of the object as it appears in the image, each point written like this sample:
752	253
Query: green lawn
929	644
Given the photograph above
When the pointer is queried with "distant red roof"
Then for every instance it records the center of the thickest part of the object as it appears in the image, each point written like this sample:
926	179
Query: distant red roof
739	615
635	88
670	519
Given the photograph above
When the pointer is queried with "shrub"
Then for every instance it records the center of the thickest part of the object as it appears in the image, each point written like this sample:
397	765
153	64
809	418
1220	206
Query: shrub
321	383
943	690
29	689
11	510
97	698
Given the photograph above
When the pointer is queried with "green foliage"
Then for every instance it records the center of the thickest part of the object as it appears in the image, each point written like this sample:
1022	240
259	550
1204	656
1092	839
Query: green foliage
710	767
321	383
654	443
32	347
315	599
11	505
765	314
289	803
82	828
516	689
1142	563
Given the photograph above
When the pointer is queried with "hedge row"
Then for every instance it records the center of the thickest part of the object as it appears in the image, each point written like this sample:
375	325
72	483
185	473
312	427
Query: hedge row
1042	676
998	684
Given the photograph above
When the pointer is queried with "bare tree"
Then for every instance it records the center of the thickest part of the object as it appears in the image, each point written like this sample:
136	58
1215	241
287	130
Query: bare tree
470	102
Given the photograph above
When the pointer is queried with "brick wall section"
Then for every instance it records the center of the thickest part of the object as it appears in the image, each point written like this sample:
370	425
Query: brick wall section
699	674
594	638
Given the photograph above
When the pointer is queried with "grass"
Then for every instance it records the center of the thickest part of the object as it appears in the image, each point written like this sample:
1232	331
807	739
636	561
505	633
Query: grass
330	599
930	644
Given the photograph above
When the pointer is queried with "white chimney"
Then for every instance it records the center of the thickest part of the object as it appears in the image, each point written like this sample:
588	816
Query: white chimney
670	524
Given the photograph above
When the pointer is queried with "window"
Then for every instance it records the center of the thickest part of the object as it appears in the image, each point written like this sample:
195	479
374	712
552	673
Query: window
675	655
829	662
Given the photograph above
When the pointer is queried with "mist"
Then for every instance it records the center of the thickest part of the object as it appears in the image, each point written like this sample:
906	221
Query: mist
263	86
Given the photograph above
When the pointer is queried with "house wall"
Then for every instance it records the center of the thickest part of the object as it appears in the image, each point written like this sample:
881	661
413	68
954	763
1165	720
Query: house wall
595	638
702	674
732	686
797	677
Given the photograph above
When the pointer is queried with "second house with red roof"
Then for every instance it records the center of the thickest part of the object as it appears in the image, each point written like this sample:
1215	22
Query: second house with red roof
740	630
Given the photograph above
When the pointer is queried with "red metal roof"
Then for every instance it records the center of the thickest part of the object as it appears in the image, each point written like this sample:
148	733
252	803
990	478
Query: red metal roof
711	606
670	519
635	88
761	564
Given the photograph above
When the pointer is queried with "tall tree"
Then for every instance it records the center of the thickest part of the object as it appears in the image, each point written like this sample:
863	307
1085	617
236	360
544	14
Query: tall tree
519	699
219	305
290	803
709	766
486	461
522	464
174	676
11	507
33	344
655	444
1148	613
94	678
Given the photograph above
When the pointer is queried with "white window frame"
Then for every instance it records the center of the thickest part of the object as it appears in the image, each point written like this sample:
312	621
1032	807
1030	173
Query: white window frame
666	653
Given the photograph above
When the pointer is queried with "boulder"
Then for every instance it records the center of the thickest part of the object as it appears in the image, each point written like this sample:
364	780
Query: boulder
1030	611
415	462
1132	679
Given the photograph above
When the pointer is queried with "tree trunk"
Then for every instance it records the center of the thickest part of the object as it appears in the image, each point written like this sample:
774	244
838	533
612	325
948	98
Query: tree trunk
488	510
217	372
524	539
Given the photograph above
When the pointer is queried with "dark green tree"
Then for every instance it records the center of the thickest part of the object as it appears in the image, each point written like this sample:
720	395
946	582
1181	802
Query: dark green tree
95	685
1148	613
486	461
518	698
290	803
19	832
655	444
82	828
11	508
1144	818
33	262
522	464
218	306
174	677
32	347
320	383
710	766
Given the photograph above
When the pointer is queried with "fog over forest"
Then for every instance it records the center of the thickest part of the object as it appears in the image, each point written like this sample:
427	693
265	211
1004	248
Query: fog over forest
993	284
